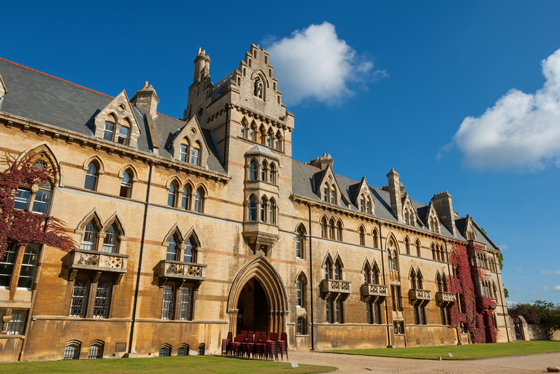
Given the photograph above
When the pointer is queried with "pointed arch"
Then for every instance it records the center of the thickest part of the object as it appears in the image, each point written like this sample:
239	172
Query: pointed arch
173	231
171	180
92	215
375	235
411	273
418	248
327	259
99	160
392	237
41	150
204	188
193	236
407	244
302	276
271	281
300	228
117	221
132	169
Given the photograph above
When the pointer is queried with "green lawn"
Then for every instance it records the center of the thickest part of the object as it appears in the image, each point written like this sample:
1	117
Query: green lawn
199	365
461	352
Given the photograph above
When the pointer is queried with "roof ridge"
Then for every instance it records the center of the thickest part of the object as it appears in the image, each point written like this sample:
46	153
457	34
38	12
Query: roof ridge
176	119
52	76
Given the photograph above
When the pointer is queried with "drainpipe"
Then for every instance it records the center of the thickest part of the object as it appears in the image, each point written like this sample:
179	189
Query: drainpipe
383	269
311	281
145	220
226	148
501	295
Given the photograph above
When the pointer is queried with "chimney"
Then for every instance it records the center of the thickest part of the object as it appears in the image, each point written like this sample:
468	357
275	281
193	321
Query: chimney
396	190
146	100
322	162
444	208
201	66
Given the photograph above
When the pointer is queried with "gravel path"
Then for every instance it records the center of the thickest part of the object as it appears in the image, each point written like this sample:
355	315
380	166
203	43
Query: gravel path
377	365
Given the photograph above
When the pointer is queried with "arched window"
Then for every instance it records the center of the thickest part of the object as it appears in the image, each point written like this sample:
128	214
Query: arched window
109	131
268	140
279	141
172	195
252	208
184	150
124	131
243	127
272	174
333	194
263	209
89	239
172	249
375	239
328	270
72	350
332	229
339	231
95	350
299	293
375	274
272	212
186	198
195	155
369	211
337	271
418	253
367	274
199	200
183	350
323	227
326	192
251	134
264	169
394	260
190	252
258	89
262	135
362	236
92	175
407	245
362	204
42	200
434	255
419	279
390	260
276	143
300	242
126	184
165	350
111	240
253	172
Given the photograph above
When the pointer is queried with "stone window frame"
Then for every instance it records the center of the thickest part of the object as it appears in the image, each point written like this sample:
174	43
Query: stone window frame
301	233
119	109
100	170
362	235
72	350
191	136
90	298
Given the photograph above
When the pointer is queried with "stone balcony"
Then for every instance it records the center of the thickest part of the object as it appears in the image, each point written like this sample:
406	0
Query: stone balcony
373	290
445	297
420	295
97	263
333	286
182	271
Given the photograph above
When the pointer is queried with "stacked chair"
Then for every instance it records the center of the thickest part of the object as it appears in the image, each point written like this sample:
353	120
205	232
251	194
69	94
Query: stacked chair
283	345
272	346
260	347
247	346
256	345
226	344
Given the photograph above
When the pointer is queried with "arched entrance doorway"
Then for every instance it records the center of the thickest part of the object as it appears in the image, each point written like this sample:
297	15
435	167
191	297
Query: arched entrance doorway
257	296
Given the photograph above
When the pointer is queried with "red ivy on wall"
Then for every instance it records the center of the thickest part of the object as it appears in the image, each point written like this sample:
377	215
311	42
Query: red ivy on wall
476	316
23	227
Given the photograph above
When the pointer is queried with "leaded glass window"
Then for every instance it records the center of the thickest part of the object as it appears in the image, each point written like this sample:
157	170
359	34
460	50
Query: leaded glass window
89	238
7	265
300	327
339	311
172	250
28	266
43	198
123	135
16	326
183	350
102	300
195	156
168	303
186	200
184	151
72	351
198	201
111	240
186	304
109	131
189	252
299	300
91	177
22	199
78	304
95	351
252	208
253	171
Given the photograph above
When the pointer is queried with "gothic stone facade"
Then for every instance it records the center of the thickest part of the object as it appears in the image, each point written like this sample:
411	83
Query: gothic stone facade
191	228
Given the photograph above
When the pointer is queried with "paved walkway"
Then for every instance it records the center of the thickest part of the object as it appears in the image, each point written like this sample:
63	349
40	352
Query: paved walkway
529	364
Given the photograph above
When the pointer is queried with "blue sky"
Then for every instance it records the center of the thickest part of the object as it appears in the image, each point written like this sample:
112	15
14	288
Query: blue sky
380	85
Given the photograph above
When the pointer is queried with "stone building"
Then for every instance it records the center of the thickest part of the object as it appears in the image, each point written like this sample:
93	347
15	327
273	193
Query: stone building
190	228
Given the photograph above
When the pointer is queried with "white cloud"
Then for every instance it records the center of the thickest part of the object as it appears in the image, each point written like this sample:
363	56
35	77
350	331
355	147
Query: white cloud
503	247
511	304
315	63
521	131
557	272
556	288
518	269
541	287
544	272
533	292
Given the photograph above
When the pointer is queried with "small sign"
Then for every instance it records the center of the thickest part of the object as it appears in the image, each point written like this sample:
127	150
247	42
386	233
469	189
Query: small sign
295	365
450	355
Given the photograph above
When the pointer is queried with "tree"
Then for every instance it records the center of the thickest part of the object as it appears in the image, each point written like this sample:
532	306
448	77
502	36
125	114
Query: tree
506	293
22	227
549	313
525	310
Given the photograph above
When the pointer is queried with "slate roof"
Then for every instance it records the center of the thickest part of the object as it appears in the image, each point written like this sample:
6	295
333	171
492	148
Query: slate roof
56	102
302	182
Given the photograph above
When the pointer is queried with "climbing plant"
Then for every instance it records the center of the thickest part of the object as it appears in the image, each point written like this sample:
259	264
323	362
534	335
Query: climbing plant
21	227
476	315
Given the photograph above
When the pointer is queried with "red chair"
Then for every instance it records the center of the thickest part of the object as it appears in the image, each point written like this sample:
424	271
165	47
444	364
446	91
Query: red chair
225	344
244	335
236	344
283	345
248	346
260	347
272	346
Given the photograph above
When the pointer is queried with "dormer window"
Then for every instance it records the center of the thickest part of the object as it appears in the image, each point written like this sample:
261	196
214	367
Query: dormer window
184	152
368	207
333	195
195	155
124	131
326	193
109	131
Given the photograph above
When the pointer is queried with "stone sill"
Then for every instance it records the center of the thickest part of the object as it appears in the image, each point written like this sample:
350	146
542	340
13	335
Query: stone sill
65	318
155	320
21	337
